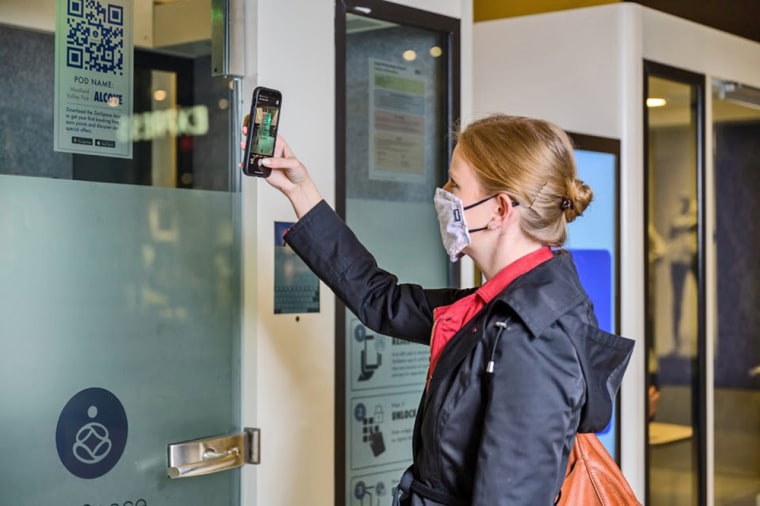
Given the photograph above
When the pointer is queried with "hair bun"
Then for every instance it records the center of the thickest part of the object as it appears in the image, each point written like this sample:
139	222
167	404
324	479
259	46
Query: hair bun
578	198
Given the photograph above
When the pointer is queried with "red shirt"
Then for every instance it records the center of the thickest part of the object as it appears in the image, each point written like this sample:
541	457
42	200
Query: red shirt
448	320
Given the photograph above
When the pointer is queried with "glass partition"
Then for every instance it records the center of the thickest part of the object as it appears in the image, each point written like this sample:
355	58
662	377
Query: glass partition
397	100
736	127
126	299
674	286
180	122
119	279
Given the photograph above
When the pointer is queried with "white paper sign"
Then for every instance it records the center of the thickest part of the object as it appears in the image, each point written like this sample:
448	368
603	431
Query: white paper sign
93	77
396	122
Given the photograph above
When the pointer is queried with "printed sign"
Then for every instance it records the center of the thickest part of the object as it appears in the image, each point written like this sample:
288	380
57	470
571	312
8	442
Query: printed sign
381	429
296	287
375	489
379	361
93	77
92	433
396	122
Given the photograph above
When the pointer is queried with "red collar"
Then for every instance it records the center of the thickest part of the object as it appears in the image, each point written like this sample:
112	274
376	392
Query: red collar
448	320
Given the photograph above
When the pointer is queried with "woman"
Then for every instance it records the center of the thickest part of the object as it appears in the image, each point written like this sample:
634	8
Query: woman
517	366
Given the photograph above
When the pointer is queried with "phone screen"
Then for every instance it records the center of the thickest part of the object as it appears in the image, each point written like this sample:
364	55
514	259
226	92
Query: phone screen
265	125
265	117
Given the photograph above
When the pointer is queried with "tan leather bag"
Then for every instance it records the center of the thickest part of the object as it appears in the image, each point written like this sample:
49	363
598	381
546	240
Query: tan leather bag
593	478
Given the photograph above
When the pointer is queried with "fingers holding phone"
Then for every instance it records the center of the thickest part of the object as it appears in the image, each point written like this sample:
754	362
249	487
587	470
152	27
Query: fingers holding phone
267	155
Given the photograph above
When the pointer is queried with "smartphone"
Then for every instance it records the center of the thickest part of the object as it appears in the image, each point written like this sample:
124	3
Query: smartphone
262	130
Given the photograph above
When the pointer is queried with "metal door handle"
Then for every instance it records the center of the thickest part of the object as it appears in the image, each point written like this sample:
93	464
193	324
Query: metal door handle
211	463
213	454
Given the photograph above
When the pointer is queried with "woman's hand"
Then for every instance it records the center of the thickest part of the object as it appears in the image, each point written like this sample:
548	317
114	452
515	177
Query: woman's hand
289	176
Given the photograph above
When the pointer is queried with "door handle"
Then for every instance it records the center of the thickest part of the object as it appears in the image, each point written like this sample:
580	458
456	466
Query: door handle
210	463
213	454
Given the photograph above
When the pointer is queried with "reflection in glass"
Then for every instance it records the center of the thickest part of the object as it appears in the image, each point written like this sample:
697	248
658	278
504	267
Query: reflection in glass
180	123
672	293
736	126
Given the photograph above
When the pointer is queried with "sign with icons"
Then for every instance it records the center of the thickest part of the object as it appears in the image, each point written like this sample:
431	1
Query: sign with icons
92	433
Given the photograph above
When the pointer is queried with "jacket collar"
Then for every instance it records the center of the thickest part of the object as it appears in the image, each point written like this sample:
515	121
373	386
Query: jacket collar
560	290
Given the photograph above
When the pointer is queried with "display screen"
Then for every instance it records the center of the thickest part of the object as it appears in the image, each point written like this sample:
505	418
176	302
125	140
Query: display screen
593	243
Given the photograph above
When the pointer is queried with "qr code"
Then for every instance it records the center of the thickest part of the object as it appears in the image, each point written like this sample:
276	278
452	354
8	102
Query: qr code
95	38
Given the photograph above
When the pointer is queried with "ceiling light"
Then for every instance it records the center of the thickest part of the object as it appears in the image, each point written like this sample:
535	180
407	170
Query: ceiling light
436	51
409	55
656	102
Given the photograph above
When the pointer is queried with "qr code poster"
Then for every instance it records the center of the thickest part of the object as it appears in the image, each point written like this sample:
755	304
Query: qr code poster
93	77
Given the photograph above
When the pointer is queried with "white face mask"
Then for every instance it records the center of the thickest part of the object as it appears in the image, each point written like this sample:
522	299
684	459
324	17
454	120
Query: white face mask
454	231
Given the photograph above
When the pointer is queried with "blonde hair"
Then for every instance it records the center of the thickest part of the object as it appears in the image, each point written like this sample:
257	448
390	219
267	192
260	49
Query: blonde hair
532	161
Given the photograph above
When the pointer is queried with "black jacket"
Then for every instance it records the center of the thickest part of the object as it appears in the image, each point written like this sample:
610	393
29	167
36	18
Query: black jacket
509	391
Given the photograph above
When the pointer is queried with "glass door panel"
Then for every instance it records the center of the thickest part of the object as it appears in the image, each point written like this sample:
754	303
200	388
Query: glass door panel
120	323
119	284
736	127
398	76
673	289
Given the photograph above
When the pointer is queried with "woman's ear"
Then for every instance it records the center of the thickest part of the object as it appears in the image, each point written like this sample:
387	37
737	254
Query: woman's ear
502	212
506	205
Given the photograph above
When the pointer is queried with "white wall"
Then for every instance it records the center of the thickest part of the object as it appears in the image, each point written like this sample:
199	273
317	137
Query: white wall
549	66
583	70
290	365
690	46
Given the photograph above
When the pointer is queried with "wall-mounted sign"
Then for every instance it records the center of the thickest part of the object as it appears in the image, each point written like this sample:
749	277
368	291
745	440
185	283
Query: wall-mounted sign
296	287
379	361
397	96
93	76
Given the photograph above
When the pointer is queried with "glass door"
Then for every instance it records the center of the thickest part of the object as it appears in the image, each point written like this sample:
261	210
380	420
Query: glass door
398	98
675	333
119	283
736	127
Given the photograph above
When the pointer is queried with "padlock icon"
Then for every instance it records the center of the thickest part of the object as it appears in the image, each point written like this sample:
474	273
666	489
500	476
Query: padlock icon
379	414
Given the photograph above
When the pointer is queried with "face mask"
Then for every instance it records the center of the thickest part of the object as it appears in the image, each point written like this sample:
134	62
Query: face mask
454	231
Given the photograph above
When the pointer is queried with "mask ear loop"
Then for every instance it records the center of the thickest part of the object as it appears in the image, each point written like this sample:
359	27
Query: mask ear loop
478	202
488	226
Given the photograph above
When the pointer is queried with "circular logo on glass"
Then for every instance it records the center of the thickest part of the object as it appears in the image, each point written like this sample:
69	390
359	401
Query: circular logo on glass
91	433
